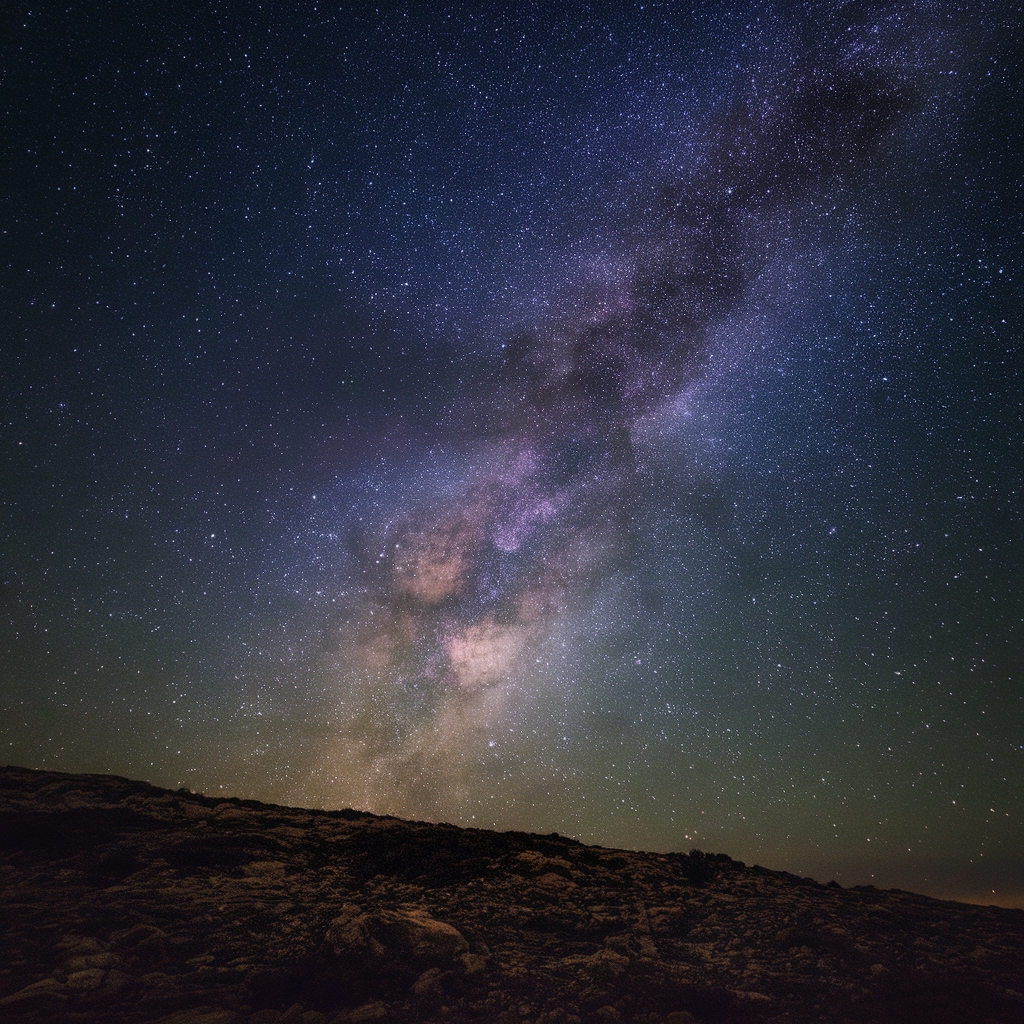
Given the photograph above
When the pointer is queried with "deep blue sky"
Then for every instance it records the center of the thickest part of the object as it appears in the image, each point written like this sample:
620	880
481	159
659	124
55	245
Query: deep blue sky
604	420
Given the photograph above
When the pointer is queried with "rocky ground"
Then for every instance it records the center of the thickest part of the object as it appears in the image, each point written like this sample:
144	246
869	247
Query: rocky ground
122	902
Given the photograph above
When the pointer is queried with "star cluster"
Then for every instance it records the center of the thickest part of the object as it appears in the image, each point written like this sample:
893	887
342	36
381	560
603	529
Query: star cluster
595	420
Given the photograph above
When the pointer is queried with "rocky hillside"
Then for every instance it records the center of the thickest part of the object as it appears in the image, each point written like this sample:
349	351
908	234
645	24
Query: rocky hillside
121	902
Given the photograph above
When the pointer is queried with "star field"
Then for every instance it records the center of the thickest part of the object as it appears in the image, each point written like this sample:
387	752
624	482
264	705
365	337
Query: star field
597	420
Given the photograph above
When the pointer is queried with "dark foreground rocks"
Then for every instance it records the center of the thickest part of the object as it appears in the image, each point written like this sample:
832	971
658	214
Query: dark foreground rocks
125	903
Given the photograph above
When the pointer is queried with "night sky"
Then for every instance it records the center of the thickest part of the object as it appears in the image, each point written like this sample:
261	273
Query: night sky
594	419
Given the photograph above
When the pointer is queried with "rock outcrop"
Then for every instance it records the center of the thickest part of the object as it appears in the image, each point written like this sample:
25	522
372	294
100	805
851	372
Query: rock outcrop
122	902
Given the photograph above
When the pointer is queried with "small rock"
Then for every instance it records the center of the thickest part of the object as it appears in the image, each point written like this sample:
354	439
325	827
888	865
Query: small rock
127	937
229	812
608	1015
112	988
604	965
92	960
750	996
667	920
265	1017
559	1015
680	1017
265	869
553	880
530	862
85	981
157	987
429	982
80	945
473	962
49	990
367	1012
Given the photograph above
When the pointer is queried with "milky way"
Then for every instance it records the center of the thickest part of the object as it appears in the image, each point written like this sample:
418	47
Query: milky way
602	421
451	603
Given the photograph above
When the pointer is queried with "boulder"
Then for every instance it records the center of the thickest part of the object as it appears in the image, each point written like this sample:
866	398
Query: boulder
402	933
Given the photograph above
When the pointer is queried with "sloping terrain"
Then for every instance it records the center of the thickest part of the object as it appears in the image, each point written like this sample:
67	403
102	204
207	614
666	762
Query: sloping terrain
123	902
